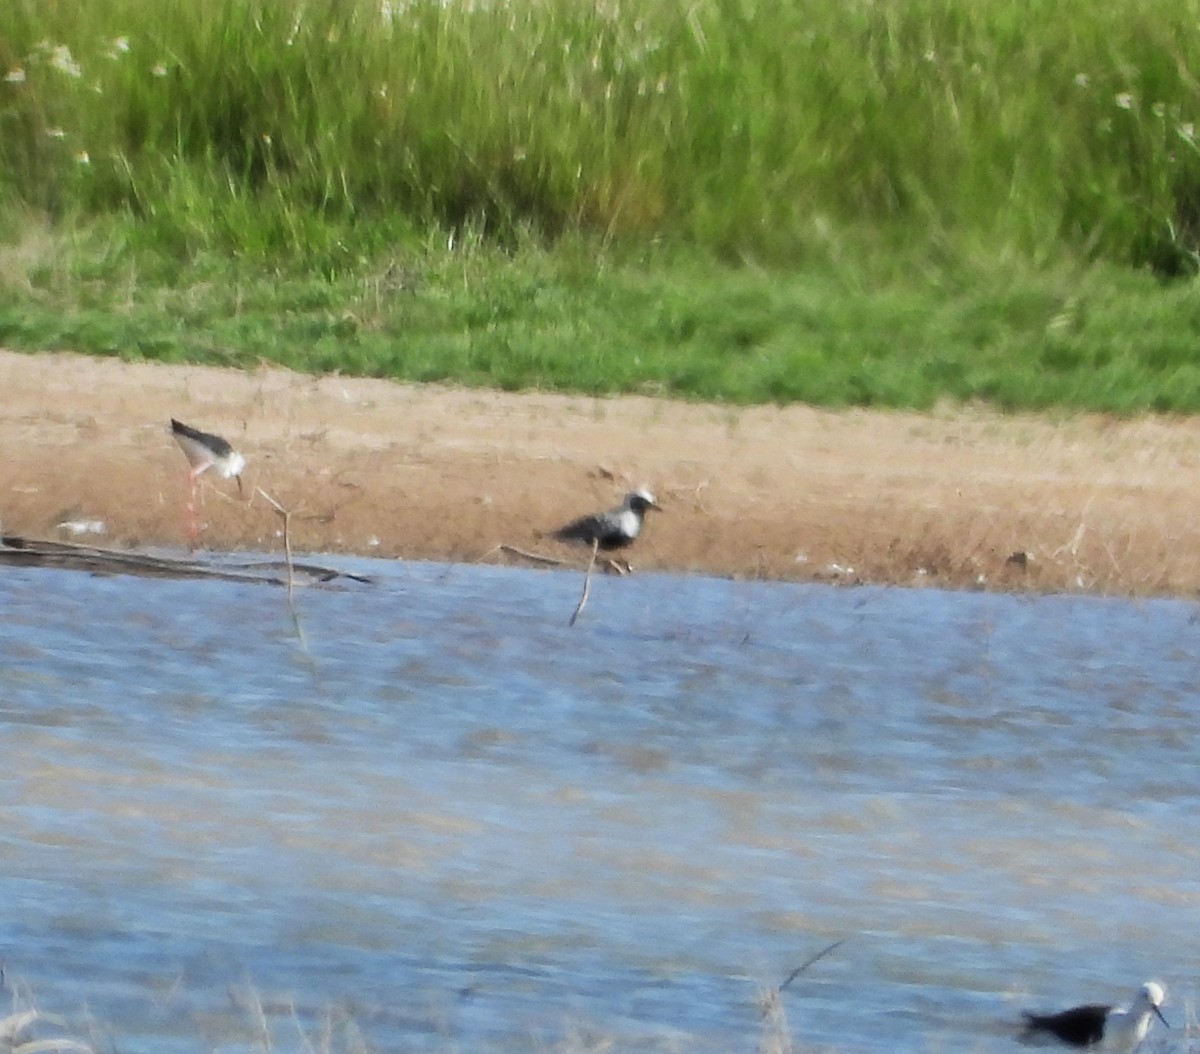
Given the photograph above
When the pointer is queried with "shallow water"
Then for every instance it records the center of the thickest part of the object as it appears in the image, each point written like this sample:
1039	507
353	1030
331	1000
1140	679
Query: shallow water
457	824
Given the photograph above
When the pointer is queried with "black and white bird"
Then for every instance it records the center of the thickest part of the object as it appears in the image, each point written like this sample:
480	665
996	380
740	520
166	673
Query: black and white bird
203	451
1097	1025
614	529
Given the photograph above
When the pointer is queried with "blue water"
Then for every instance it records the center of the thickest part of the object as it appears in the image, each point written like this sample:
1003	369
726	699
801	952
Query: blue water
452	823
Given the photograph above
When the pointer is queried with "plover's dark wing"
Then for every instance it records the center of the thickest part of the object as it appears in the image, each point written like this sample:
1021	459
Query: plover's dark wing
194	441
1081	1026
602	528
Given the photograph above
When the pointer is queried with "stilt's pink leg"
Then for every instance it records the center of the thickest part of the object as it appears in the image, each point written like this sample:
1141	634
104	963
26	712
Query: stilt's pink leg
192	526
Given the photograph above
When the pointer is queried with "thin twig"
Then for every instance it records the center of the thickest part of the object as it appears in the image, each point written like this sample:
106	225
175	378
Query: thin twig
286	516
60	1045
524	554
816	958
587	582
256	1005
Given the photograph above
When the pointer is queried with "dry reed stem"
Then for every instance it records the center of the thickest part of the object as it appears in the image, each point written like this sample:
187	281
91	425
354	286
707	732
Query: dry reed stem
59	1043
17	1022
775	1036
814	959
524	554
587	583
256	1005
286	516
776	1033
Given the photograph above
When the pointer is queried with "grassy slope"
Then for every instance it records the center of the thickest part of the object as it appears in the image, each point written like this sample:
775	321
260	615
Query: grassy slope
836	202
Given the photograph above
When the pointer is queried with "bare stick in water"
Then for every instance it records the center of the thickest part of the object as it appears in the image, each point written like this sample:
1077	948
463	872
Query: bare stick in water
816	958
587	581
524	554
286	516
770	1004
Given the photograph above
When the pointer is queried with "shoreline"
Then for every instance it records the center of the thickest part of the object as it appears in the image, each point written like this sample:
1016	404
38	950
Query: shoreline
959	498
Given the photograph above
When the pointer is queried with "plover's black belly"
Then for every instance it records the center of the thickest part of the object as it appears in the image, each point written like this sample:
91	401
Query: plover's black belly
599	529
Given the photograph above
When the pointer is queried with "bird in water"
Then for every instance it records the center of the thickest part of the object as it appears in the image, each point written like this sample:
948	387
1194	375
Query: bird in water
613	529
1098	1025
203	451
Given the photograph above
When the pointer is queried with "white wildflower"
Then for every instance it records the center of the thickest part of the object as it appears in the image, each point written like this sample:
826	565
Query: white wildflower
56	133
62	59
1082	80
82	158
1186	130
15	76
159	70
1159	109
1124	100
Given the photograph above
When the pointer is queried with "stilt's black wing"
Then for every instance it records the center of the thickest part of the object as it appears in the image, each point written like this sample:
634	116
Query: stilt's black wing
218	446
1081	1026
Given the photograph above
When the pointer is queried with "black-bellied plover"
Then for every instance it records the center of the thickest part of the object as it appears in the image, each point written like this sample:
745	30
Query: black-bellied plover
614	529
204	451
1098	1025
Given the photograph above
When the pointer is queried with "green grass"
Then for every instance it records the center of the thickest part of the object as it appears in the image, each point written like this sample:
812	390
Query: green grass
581	318
742	128
835	201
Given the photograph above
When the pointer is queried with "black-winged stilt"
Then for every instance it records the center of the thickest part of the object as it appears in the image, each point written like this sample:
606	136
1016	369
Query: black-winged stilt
1098	1025
204	451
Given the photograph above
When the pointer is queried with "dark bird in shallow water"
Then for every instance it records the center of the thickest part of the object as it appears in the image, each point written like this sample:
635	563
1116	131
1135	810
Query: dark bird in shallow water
1097	1025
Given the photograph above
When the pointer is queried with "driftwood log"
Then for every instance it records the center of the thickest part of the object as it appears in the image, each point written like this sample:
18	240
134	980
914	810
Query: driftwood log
27	552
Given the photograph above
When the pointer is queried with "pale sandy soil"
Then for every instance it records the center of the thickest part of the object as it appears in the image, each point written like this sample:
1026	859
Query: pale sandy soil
394	470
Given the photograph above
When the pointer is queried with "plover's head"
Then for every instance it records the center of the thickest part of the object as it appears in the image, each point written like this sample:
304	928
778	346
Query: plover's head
640	500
